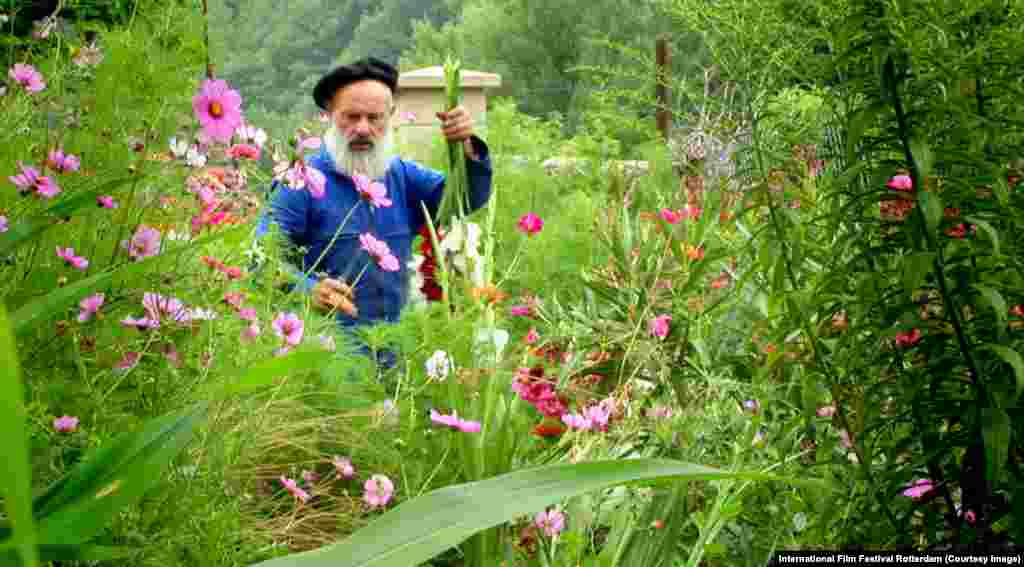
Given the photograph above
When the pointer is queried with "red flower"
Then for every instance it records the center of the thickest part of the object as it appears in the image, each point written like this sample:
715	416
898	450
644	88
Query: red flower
907	340
549	428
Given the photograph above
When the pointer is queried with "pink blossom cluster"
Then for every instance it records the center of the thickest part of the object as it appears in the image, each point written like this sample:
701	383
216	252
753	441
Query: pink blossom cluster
69	257
455	422
289	328
592	418
532	388
380	251
374	192
161	309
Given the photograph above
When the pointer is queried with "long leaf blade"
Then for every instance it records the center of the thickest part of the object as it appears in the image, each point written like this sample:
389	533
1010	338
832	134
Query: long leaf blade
423	527
14	466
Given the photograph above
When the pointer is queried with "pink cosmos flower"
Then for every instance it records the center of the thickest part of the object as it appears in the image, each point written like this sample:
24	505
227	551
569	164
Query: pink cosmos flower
30	179
455	422
373	191
143	324
690	212
130	360
520	311
901	183
159	307
106	202
90	306
144	244
247	314
826	411
344	467
239	151
372	246
907	340
389	263
61	162
670	216
218	109
658	327
970	517
577	421
289	327
27	76
530	224
378	490
250	332
551	522
919	488
532	337
65	424
292	487
68	255
598	416
3	224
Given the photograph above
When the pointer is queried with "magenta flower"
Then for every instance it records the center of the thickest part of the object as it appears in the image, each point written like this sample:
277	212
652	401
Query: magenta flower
909	339
291	486
532	337
380	251
247	314
298	175
919	488
65	424
373	191
658	327
344	467
106	202
455	422
520	311
577	421
218	109
90	306
551	522
530	224
389	263
598	416
144	244
143	324
289	327
250	332
670	216
247	151
970	517
3	224
901	183
61	162
27	76
378	490
130	360
68	255
29	179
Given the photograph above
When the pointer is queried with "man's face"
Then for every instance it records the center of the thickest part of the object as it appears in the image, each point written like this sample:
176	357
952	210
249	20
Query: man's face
362	112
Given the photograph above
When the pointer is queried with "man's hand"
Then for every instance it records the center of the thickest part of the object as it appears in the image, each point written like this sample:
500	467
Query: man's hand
332	294
457	126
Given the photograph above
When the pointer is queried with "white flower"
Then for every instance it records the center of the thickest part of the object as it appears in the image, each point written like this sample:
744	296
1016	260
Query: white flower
248	132
194	158
463	238
438	366
201	314
498	337
179	236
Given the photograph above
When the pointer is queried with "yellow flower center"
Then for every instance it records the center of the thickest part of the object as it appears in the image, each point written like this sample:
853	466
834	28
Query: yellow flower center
216	110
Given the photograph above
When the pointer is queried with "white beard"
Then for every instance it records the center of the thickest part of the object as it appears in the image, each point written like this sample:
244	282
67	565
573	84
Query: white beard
372	163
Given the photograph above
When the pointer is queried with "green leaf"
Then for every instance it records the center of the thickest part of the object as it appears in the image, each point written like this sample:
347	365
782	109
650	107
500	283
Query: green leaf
26	230
420	529
1012	358
989	230
923	157
80	505
931	206
264	372
59	552
14	464
49	305
996	301
916	268
995	423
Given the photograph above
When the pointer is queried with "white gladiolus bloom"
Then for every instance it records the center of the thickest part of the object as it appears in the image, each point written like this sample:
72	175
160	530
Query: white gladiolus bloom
439	365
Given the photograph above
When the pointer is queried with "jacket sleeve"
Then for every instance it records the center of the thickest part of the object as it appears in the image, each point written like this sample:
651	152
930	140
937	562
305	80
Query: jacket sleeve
289	210
427	186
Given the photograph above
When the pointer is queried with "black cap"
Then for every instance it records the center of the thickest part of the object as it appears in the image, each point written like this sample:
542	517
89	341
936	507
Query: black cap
369	68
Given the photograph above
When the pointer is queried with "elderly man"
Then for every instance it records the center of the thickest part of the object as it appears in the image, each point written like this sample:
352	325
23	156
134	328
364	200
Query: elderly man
359	142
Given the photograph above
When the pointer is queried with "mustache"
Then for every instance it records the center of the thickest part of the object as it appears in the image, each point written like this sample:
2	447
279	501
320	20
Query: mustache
361	140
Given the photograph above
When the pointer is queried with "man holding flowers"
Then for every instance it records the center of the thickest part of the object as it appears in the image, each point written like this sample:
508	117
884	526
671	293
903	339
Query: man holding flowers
357	233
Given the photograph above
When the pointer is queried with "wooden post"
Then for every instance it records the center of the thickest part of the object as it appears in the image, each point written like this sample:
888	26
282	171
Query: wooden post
663	58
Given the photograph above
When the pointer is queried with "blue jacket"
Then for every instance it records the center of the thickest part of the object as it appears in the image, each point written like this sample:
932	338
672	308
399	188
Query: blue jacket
311	223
